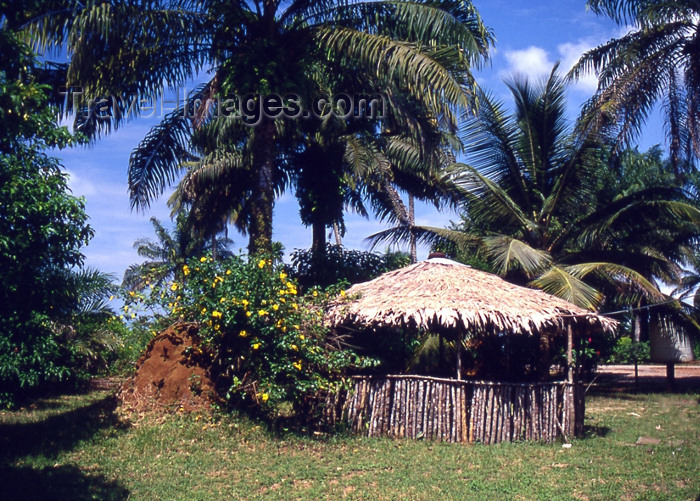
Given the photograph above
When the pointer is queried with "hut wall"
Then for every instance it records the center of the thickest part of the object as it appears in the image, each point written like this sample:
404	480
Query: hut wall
458	411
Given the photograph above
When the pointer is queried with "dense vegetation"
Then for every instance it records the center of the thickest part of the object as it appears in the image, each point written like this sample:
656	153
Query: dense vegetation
570	207
42	229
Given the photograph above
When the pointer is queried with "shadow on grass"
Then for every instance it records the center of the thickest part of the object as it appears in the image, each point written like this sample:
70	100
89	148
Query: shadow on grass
59	483
58	432
595	431
47	438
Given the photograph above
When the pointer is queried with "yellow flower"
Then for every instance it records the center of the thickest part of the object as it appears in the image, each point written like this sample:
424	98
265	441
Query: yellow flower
111	298
301	336
315	293
261	263
264	397
295	306
217	327
243	333
186	270
275	307
131	293
204	310
248	313
295	347
202	259
228	272
256	346
283	300
216	314
297	365
342	293
174	286
223	299
283	275
262	313
245	303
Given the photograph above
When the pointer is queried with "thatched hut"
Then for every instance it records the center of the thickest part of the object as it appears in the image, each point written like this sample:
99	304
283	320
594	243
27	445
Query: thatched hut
443	296
457	301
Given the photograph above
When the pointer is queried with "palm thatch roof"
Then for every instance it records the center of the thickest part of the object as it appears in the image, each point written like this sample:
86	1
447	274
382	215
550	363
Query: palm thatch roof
439	294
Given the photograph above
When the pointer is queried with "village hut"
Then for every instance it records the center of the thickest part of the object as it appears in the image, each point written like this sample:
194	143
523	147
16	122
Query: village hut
443	296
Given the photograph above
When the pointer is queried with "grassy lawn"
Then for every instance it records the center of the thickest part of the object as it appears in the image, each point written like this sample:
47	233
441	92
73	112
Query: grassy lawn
77	447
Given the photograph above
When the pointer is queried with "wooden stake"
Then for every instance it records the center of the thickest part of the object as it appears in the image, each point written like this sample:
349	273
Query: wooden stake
569	354
459	357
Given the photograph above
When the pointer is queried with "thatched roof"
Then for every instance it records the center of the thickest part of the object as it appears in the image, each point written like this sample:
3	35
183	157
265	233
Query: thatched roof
439	294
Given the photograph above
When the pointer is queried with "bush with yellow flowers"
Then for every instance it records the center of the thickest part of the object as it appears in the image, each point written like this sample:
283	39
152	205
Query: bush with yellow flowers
268	341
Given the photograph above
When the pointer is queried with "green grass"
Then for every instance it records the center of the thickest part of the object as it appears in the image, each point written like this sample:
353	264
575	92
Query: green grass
76	447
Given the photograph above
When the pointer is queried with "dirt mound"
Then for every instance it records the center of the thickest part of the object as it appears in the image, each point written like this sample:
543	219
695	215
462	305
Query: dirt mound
173	374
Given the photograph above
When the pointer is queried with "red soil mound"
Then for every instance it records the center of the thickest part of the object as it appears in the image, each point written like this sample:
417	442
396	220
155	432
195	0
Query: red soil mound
173	374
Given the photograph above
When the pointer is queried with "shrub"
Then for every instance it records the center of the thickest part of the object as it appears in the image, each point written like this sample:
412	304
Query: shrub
338	264
268	342
627	351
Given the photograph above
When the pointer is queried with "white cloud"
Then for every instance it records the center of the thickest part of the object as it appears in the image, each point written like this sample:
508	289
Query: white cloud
569	54
80	186
532	63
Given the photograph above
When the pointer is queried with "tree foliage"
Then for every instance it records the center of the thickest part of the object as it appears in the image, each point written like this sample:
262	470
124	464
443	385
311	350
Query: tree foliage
42	226
545	207
654	63
131	49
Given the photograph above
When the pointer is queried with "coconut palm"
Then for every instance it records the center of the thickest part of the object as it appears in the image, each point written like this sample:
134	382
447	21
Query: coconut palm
529	196
654	63
255	48
166	256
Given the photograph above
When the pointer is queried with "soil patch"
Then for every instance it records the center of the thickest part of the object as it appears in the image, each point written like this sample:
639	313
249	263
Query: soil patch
651	377
173	374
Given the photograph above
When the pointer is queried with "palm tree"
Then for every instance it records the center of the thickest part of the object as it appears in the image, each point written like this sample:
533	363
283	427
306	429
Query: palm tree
166	256
255	48
533	211
655	63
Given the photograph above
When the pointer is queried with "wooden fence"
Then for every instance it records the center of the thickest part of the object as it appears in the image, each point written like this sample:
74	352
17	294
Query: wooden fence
458	411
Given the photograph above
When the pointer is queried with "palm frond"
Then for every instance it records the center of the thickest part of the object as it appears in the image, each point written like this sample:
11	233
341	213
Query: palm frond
157	160
559	282
509	253
622	278
427	235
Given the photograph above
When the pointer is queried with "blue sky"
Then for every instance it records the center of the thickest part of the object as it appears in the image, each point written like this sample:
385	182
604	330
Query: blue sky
530	36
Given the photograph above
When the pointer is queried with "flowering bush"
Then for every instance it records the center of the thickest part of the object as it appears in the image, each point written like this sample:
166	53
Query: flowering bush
267	342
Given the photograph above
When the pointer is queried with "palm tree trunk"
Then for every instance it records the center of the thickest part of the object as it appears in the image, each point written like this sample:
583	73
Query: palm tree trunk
263	198
336	234
318	242
412	223
637	329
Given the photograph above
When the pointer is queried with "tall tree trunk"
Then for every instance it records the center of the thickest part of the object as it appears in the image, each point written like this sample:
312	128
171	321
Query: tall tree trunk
318	242
637	332
674	127
412	223
263	198
336	234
